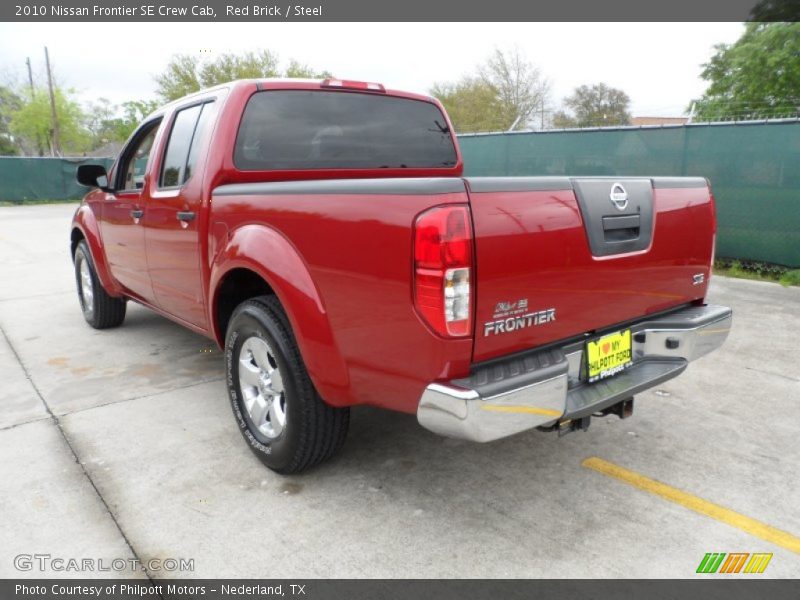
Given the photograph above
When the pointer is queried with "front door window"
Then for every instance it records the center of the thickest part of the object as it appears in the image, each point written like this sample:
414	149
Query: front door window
136	162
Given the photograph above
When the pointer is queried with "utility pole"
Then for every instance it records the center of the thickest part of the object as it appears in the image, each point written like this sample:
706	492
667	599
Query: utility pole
30	74
56	145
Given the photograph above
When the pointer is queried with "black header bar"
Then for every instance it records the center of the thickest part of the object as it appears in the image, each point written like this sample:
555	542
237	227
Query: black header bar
398	10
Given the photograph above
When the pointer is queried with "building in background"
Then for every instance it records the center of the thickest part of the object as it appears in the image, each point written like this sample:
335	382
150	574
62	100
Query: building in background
639	121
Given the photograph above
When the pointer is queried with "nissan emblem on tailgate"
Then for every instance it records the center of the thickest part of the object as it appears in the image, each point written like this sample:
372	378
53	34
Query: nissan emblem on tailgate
619	196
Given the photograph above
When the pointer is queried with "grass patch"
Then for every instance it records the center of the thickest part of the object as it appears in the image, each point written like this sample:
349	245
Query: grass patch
757	271
790	278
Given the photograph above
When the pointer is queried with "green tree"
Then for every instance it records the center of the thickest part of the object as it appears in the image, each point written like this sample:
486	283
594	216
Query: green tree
32	123
133	113
473	105
180	78
9	102
758	76
186	73
598	105
99	121
109	123
507	92
297	70
771	11
249	65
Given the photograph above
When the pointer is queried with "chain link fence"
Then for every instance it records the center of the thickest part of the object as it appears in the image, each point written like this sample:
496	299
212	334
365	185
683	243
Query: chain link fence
36	179
754	169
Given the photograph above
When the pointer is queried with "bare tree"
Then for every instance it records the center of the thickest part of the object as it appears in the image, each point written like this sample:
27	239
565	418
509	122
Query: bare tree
523	92
599	105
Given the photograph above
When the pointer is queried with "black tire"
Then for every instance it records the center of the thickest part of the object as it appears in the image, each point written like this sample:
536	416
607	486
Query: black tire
100	310
311	431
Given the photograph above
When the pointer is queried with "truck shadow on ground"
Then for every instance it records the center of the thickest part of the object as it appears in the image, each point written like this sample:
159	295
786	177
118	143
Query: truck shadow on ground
384	449
395	447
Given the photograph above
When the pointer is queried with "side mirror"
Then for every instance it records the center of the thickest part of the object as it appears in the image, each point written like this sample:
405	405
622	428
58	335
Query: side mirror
93	176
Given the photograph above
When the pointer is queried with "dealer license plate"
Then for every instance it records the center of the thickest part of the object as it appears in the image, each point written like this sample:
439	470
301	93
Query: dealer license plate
608	355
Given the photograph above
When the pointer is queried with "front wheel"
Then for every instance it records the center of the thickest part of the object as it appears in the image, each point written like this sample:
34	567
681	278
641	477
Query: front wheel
100	310
278	410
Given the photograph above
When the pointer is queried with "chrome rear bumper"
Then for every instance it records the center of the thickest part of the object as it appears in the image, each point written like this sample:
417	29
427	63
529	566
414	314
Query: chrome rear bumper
541	388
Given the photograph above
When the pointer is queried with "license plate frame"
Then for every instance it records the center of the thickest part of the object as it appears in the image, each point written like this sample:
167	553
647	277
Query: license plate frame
608	355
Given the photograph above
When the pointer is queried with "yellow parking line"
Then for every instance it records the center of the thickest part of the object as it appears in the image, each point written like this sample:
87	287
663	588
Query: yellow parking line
522	409
712	331
704	507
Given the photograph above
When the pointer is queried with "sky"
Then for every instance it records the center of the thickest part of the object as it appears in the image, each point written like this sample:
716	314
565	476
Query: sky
657	64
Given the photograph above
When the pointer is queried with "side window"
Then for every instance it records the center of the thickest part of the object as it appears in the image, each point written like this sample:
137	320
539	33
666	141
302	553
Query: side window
203	123
183	145
135	159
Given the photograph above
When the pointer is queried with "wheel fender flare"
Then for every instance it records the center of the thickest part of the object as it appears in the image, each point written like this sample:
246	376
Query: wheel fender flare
85	221
267	253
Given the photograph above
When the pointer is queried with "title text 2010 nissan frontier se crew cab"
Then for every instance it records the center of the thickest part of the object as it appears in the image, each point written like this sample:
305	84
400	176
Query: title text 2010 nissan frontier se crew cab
322	233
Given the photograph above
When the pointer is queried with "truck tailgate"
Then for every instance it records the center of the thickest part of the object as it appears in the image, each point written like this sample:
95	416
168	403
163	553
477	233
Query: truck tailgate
558	257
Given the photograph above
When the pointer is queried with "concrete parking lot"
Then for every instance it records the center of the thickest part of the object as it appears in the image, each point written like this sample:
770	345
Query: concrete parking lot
120	444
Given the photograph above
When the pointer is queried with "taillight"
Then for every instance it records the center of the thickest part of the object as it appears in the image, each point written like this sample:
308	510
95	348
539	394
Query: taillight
713	203
713	255
349	84
443	269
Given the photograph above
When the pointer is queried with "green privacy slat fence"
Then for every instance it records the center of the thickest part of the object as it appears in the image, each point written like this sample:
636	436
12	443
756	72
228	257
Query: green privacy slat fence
754	169
26	179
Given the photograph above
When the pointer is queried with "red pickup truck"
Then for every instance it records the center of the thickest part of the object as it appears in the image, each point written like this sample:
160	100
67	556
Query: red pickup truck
322	233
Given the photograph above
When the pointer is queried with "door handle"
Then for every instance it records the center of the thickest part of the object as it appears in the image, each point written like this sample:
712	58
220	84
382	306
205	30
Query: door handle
137	213
185	215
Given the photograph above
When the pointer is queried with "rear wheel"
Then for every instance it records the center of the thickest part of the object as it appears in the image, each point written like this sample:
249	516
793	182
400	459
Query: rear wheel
279	412
100	310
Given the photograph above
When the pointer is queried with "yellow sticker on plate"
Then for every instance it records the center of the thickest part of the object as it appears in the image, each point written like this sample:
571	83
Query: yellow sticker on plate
608	355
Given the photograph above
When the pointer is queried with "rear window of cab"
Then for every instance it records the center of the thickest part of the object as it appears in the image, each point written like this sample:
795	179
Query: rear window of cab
308	129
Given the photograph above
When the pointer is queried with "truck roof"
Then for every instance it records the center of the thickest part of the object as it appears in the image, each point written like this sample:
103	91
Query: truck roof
300	84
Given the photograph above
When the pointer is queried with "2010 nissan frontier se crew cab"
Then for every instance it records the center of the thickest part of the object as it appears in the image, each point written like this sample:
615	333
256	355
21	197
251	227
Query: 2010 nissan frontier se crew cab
323	234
